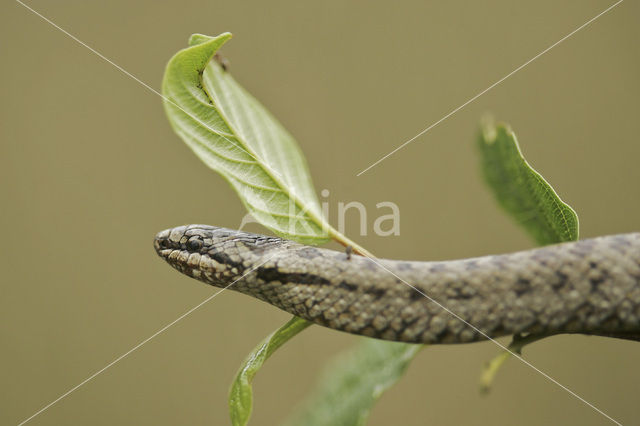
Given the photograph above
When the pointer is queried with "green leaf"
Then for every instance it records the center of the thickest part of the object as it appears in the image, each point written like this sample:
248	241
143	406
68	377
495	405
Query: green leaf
241	395
354	381
522	191
237	137
532	202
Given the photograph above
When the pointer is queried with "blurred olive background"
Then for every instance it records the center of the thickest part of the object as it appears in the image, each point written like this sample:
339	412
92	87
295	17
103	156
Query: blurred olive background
91	171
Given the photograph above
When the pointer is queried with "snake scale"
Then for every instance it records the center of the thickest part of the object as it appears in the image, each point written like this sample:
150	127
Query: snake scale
590	286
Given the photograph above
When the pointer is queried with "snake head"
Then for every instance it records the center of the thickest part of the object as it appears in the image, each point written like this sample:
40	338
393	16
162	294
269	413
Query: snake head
208	253
187	248
173	239
190	238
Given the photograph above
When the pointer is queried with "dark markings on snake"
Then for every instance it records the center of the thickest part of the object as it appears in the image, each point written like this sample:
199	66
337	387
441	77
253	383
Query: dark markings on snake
225	259
270	274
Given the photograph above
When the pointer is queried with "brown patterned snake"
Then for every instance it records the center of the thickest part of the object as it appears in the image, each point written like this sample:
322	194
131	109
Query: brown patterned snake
589	287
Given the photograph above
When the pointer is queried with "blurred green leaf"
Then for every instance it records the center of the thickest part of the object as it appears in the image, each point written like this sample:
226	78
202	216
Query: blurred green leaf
353	382
522	191
232	133
530	200
241	395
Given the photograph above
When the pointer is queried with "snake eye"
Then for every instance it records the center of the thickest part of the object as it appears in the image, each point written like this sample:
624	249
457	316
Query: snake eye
194	244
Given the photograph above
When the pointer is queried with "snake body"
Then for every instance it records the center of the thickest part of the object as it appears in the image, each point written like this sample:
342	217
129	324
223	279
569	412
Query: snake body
589	286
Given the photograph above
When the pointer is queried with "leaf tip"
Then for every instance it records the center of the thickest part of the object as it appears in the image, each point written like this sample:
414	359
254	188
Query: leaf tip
197	38
488	131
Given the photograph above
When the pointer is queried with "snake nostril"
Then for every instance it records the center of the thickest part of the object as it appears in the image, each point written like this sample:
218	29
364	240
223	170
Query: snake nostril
165	243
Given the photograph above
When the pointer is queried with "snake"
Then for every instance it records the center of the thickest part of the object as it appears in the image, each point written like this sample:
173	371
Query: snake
589	287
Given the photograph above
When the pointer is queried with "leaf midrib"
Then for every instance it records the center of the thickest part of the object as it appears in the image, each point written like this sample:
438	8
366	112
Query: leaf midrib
556	201
318	221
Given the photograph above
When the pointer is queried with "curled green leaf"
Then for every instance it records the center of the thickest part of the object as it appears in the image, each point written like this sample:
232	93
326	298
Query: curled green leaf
241	394
232	133
522	191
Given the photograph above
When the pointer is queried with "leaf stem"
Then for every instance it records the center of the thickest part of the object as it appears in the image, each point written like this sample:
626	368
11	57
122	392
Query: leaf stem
346	241
515	347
